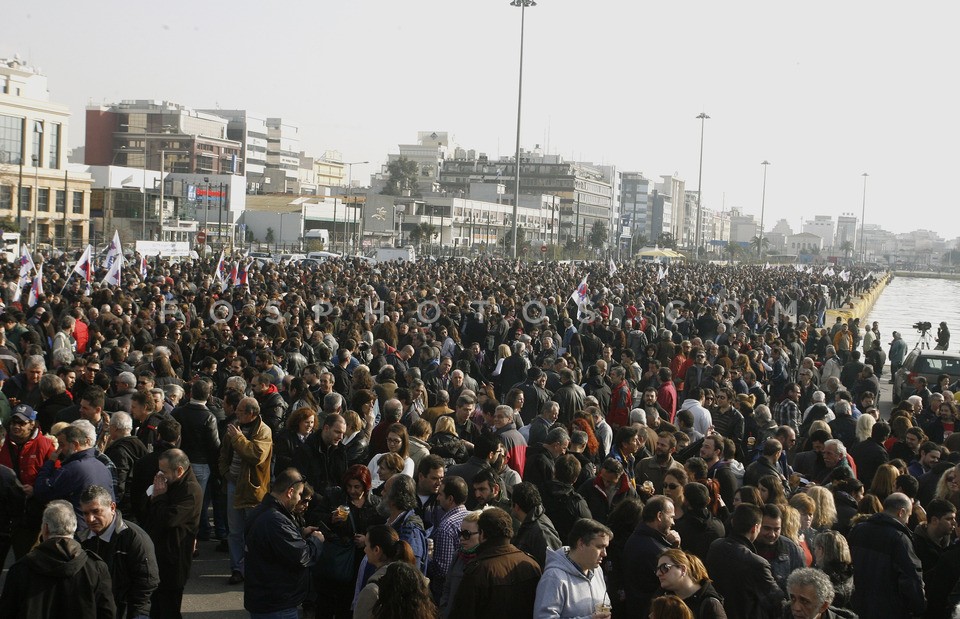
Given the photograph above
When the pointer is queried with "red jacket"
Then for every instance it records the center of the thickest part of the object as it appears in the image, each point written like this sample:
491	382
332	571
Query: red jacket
667	398
30	457
81	335
621	401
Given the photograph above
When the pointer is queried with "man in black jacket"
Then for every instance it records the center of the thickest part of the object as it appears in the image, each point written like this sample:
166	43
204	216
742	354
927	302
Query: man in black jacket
125	548
536	533
322	459
174	516
200	440
561	502
273	408
870	454
278	553
541	458
740	575
58	578
887	578
652	536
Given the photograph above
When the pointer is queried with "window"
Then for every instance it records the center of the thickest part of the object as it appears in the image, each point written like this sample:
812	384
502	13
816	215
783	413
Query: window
37	153
61	199
11	139
25	198
53	145
77	231
6	197
78	202
43	200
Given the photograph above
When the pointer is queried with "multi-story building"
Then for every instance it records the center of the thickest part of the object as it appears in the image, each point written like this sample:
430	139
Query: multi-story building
250	129
160	135
635	212
283	157
46	198
585	196
743	227
822	226
847	232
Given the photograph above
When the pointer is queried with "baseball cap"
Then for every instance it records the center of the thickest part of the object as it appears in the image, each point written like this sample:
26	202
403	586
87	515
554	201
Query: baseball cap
25	412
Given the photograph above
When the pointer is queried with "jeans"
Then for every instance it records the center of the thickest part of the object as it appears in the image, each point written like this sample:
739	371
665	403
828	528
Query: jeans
236	519
211	489
286	613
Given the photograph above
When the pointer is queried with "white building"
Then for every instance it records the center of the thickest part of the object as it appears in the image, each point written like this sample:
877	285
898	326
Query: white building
822	226
48	198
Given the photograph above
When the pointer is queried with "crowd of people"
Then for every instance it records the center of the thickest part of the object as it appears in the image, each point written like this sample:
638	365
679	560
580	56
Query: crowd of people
469	439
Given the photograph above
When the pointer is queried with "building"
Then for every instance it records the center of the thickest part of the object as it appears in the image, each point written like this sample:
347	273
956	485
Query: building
283	157
743	227
42	195
803	243
822	226
847	233
585	195
635	215
250	129
160	135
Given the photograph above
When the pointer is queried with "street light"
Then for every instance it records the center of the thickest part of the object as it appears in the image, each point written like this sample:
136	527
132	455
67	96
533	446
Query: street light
863	214
703	119
36	199
523	4
349	165
763	204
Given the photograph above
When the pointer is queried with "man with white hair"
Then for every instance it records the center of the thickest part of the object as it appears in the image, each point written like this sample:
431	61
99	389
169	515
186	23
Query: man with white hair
811	594
835	460
58	578
123	450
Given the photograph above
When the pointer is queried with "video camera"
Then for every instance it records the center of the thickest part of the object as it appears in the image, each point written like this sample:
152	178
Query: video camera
922	327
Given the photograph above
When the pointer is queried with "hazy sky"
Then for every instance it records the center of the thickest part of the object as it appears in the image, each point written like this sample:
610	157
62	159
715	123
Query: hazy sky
823	90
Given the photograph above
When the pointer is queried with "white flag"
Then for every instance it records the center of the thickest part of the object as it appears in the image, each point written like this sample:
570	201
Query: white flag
613	268
36	290
27	267
84	266
112	277
579	296
661	274
113	251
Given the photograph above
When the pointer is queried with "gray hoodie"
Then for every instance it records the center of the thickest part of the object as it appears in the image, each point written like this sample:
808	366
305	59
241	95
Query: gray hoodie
566	592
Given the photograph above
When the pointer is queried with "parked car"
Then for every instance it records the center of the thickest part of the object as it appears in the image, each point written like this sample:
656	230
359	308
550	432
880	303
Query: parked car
927	363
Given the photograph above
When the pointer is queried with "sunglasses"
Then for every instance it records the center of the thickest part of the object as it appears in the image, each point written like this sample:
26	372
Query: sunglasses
672	486
468	534
663	568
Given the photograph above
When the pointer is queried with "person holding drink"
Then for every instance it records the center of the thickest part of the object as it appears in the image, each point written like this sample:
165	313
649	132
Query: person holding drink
572	584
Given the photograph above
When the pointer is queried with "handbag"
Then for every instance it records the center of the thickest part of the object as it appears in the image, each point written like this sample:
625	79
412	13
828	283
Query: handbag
338	558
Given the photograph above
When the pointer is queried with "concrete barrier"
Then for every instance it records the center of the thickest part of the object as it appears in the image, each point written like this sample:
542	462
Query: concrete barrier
861	306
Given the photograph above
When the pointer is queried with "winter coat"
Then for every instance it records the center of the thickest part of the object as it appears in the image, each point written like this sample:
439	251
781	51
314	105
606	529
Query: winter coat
448	447
199	437
285	444
868	455
277	559
132	561
515	446
536	535
273	409
48	409
539	465
368	596
743	578
786	557
58	578
563	505
27	460
174	518
697	532
468	470
570	397
595	494
253	482
565	591
706	603
73	476
637	569
500	582
124	453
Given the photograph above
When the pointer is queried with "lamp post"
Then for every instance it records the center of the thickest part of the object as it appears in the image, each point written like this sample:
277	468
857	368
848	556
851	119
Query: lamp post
863	214
703	119
763	204
523	4
36	200
349	165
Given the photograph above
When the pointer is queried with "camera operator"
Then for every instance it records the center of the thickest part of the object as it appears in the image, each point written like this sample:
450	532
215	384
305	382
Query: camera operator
943	337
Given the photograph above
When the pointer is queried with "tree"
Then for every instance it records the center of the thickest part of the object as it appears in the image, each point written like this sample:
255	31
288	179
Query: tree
422	233
640	241
847	248
598	234
270	237
733	250
7	224
523	243
759	244
403	176
666	240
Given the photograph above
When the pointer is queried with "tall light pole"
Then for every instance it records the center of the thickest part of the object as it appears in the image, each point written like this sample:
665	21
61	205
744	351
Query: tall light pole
36	200
863	214
763	205
703	119
346	219
523	4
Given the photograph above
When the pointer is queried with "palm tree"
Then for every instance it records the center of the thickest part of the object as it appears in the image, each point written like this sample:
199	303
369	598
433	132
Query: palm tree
733	250
847	248
759	243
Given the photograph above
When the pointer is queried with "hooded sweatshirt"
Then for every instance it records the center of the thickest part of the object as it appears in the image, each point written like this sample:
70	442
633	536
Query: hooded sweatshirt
565	591
58	578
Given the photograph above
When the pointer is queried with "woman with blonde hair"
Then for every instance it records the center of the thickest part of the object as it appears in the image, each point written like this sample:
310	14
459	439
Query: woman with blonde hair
832	555
805	508
884	481
446	443
825	515
865	427
683	575
948	487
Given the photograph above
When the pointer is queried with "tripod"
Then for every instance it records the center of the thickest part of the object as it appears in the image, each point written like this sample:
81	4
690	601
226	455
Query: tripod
925	340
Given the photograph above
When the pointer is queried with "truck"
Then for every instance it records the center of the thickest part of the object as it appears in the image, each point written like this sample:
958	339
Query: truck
402	254
11	246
